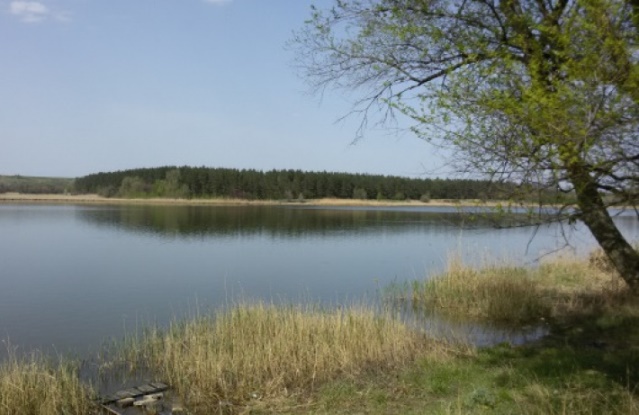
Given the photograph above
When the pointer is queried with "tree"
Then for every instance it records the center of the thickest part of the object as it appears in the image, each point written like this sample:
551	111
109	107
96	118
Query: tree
132	186
171	186
541	93
359	193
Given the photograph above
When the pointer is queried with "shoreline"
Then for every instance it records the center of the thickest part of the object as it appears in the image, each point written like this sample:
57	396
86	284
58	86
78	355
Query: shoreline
383	364
9	198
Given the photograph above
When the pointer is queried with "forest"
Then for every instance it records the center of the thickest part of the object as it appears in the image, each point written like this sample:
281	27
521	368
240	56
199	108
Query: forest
205	182
35	185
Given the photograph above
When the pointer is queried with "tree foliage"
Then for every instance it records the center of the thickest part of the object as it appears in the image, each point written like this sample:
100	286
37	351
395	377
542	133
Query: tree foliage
27	184
186	182
543	93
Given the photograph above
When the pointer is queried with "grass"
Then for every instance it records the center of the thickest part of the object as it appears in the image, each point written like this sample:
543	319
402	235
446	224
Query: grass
257	353
496	380
56	195
35	386
512	295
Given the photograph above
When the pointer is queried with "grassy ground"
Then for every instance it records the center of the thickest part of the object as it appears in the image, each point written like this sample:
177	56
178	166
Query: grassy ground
36	386
261	359
553	379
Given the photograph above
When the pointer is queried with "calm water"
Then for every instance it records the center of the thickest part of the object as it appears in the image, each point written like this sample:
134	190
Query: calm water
75	276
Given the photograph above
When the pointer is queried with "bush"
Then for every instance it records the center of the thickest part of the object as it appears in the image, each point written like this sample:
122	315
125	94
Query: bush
360	193
399	196
425	198
107	191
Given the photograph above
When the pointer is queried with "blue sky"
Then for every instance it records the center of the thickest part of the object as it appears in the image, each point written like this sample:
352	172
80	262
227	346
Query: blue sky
90	85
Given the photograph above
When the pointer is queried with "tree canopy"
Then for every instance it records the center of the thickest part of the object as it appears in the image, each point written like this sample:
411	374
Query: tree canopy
543	93
198	182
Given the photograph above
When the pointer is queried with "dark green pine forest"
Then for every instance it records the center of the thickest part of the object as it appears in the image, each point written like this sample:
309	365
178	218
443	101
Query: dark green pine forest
205	182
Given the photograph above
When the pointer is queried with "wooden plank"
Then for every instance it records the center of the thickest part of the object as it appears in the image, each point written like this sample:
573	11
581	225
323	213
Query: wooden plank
123	394
108	399
125	402
134	392
159	386
148	399
147	388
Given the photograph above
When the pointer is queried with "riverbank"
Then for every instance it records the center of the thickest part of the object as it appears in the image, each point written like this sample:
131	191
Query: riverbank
96	199
264	359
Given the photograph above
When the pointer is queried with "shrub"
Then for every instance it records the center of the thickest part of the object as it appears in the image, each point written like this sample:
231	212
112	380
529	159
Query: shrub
359	193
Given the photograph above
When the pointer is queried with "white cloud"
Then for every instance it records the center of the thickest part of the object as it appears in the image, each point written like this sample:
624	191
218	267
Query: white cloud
31	11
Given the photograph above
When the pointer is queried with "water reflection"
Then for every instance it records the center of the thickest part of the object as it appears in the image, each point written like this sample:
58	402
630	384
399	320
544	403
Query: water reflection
466	331
288	222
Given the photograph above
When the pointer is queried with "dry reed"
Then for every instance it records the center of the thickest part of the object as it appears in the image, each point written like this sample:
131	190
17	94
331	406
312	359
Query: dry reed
35	386
509	294
256	351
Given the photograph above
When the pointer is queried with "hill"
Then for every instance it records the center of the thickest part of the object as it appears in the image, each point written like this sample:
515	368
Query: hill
35	185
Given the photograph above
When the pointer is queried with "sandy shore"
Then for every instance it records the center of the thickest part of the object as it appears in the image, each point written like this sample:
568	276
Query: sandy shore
95	199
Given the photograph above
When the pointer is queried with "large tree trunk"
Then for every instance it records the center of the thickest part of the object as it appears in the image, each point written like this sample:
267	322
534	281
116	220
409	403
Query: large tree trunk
596	217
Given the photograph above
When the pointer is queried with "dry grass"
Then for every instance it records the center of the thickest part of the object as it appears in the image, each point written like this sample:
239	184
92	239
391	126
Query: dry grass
96	199
499	294
260	352
35	386
560	287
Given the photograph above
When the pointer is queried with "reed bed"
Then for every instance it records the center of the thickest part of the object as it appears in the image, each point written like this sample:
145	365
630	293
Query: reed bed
514	295
255	352
35	386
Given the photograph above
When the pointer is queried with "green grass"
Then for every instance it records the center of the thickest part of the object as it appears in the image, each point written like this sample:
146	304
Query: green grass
497	380
587	365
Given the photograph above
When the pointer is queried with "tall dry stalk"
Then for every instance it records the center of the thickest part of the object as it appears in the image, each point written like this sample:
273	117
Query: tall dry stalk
255	351
35	386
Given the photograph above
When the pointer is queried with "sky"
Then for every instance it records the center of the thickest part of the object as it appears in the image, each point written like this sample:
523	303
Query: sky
90	85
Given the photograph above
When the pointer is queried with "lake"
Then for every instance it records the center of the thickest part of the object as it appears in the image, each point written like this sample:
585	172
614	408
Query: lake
74	276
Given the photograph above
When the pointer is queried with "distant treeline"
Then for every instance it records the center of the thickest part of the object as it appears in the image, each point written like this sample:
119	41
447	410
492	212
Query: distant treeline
35	185
202	182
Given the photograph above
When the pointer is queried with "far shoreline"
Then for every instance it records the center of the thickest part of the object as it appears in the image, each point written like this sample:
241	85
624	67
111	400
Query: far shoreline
16	198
